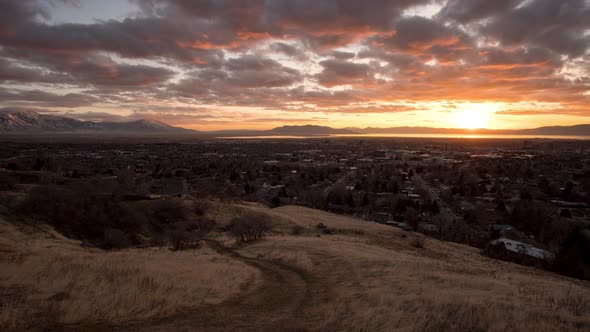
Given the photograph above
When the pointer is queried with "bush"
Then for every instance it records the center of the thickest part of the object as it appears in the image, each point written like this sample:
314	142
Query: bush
201	207
183	240
115	239
111	223
417	243
297	230
166	212
573	258
250	226
188	234
79	213
323	228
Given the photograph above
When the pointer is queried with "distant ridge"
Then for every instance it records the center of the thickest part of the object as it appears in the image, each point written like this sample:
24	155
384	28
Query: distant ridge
30	121
576	130
312	130
309	130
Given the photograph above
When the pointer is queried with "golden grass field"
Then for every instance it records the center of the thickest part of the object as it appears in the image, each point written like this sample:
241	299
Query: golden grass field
114	287
363	277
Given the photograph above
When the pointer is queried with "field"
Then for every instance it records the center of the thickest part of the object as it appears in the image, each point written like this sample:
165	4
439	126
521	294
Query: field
349	275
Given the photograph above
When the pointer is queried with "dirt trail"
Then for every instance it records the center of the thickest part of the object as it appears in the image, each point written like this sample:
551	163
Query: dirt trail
274	306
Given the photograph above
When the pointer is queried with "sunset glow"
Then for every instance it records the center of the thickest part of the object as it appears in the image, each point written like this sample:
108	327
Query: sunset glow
256	64
474	116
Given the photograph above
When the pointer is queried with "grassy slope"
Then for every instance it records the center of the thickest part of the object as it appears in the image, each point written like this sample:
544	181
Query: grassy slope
115	287
363	277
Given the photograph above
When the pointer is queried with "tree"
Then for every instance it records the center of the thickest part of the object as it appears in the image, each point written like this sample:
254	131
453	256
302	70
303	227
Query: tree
412	218
434	208
567	192
188	234
169	211
573	258
249	227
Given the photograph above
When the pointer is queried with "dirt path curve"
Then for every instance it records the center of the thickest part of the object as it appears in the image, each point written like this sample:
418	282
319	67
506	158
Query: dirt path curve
273	306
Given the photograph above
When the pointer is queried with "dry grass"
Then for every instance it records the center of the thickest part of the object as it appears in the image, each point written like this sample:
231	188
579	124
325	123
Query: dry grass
380	281
375	289
106	287
364	277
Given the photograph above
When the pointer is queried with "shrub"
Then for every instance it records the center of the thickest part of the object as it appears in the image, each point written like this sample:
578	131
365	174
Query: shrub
297	230
183	240
115	239
573	258
249	227
168	211
417	243
79	213
188	234
110	223
201	207
323	228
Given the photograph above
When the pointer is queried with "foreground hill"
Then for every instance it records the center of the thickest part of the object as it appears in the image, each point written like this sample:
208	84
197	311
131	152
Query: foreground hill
346	275
30	121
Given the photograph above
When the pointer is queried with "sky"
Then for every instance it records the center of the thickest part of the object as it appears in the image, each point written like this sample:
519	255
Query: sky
259	64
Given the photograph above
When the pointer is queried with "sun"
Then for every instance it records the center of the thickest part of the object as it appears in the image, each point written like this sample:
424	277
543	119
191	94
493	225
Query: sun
472	119
473	116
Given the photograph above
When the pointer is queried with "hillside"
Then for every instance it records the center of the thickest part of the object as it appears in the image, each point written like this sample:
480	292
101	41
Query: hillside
32	122
362	276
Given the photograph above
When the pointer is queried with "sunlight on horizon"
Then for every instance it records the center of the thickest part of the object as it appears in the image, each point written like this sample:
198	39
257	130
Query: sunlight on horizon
474	115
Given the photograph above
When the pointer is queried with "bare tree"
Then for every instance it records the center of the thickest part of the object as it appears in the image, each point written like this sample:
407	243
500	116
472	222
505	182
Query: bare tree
250	226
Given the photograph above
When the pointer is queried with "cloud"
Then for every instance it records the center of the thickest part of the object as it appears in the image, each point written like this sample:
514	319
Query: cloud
466	11
298	55
46	99
556	25
426	38
340	72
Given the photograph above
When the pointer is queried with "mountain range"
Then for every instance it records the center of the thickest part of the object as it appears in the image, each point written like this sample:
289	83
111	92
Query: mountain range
576	130
26	121
30	121
312	130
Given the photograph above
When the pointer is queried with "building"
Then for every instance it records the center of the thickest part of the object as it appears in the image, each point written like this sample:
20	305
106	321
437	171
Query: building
518	252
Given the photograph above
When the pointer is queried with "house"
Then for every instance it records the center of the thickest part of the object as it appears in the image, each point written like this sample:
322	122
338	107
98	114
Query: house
398	224
382	217
518	252
428	228
498	230
571	205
